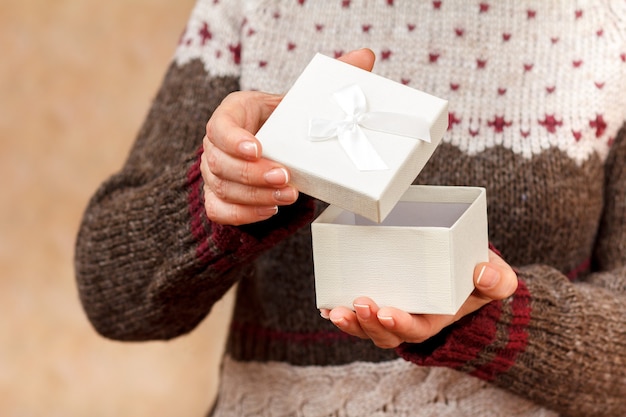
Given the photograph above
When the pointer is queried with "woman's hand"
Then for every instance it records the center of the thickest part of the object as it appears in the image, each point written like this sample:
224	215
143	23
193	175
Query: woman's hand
240	186
388	327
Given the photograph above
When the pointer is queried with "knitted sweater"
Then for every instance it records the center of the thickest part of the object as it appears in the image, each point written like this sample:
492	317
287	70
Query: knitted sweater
537	98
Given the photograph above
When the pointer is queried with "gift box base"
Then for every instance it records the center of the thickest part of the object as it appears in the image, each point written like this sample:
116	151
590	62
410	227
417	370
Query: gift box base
421	259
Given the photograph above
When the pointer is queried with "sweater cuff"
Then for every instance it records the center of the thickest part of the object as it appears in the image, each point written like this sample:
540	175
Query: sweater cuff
224	246
484	344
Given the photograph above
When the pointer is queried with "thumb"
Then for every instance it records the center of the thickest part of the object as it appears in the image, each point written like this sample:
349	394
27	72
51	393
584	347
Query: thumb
495	279
361	58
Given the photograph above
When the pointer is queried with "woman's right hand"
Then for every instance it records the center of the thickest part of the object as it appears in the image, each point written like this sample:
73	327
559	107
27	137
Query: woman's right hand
240	186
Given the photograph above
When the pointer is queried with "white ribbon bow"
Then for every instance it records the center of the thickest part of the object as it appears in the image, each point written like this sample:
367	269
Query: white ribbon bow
351	136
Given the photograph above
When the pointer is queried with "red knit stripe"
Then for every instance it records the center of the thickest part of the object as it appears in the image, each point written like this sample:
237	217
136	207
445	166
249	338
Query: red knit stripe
584	266
463	346
196	206
473	340
206	247
517	340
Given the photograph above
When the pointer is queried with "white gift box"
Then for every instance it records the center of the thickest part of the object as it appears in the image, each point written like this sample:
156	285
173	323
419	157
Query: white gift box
420	259
357	140
379	135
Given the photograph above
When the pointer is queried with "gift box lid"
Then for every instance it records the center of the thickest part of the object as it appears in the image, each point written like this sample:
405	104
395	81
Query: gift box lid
353	138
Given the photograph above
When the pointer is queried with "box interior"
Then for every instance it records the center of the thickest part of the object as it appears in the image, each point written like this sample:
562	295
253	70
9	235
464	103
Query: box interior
411	214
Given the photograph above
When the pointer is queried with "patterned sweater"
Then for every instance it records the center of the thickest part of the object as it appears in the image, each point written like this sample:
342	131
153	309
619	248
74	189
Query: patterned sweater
537	96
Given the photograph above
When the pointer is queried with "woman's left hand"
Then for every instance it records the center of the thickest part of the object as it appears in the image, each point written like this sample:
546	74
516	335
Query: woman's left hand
388	327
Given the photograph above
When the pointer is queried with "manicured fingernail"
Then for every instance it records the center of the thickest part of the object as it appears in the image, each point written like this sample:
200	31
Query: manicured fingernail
387	321
363	311
267	211
286	195
249	149
325	314
488	277
277	176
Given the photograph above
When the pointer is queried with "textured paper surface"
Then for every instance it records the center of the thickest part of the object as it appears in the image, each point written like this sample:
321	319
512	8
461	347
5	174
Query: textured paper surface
420	259
322	169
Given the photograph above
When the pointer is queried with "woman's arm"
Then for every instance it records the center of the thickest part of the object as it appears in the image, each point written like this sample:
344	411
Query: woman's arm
165	238
560	343
149	263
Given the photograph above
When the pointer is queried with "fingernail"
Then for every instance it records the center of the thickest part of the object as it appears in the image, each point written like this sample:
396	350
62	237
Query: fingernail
363	311
325	314
277	176
488	277
249	149
387	321
285	195
267	211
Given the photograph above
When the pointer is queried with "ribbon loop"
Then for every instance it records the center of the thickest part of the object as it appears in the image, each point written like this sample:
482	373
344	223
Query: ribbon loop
351	100
349	131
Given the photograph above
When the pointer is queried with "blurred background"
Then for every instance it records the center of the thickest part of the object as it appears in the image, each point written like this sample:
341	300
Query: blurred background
76	80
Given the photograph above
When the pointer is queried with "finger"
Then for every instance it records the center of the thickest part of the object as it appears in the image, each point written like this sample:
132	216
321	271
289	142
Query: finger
495	279
225	135
234	123
366	312
362	58
222	212
412	328
235	193
262	172
345	319
242	194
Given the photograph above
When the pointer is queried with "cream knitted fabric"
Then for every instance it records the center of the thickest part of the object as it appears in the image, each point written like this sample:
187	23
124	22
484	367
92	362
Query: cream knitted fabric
395	388
544	50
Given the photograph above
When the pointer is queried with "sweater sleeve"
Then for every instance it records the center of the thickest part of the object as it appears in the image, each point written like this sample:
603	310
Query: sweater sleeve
559	342
148	262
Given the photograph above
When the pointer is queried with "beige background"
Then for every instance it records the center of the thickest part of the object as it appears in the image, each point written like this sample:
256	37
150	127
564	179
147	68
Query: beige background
76	79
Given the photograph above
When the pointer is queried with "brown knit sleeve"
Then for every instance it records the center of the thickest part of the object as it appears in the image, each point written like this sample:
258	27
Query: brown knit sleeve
576	337
135	235
149	264
558	342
